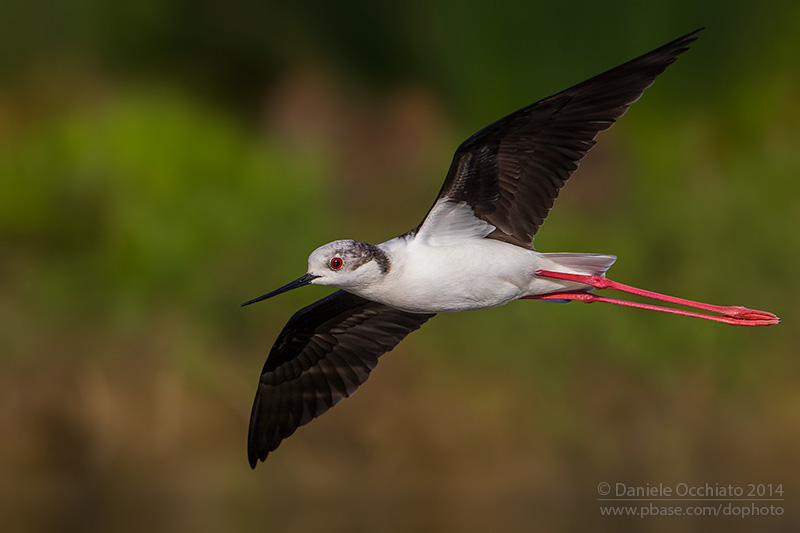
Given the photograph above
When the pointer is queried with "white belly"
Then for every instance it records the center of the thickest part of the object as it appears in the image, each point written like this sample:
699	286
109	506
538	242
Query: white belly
480	274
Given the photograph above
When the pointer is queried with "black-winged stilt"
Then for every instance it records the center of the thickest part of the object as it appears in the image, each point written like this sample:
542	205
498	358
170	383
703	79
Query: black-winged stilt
473	250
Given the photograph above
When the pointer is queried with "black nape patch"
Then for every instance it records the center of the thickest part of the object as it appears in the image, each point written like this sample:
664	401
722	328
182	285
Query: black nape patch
380	257
360	253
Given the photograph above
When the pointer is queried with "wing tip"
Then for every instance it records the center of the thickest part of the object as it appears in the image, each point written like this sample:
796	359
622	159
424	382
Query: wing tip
253	460
679	45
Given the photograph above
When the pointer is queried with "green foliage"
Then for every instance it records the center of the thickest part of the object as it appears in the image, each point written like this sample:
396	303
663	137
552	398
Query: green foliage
149	198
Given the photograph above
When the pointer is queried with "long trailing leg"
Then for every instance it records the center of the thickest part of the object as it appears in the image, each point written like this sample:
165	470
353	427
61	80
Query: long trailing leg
736	315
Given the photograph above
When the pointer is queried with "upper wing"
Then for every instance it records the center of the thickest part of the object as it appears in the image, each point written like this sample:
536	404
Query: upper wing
510	172
323	354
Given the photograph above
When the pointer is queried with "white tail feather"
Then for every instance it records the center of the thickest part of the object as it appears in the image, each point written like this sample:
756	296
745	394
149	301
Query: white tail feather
577	263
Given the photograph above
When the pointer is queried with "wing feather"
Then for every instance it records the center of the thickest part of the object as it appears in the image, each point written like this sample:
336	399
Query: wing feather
511	172
324	353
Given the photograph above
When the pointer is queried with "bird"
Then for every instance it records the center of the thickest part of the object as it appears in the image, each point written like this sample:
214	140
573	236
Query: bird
473	250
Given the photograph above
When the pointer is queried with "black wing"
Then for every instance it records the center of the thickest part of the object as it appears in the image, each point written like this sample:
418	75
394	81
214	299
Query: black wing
510	172
323	354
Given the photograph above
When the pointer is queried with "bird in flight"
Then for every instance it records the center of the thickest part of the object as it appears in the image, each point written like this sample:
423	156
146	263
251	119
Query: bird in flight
473	250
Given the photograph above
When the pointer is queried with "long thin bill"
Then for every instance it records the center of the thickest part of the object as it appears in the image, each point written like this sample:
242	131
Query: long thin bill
299	282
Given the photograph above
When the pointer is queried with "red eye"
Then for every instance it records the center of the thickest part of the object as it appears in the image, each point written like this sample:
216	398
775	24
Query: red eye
336	263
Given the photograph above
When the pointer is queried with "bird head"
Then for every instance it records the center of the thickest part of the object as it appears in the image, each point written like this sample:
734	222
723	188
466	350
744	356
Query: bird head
345	264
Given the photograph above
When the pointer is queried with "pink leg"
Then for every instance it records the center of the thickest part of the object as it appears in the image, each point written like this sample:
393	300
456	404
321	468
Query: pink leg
731	314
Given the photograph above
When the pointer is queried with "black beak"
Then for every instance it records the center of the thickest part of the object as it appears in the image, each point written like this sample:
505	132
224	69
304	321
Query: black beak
299	282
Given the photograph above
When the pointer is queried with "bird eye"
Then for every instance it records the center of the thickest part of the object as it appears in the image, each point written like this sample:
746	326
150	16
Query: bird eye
336	263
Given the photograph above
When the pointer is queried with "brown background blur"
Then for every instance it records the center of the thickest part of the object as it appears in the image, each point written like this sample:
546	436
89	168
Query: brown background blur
163	161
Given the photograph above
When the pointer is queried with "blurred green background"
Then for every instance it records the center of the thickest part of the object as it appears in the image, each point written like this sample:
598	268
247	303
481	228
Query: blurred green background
163	161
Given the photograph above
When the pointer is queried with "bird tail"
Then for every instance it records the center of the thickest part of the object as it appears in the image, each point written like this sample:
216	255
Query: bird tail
576	263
